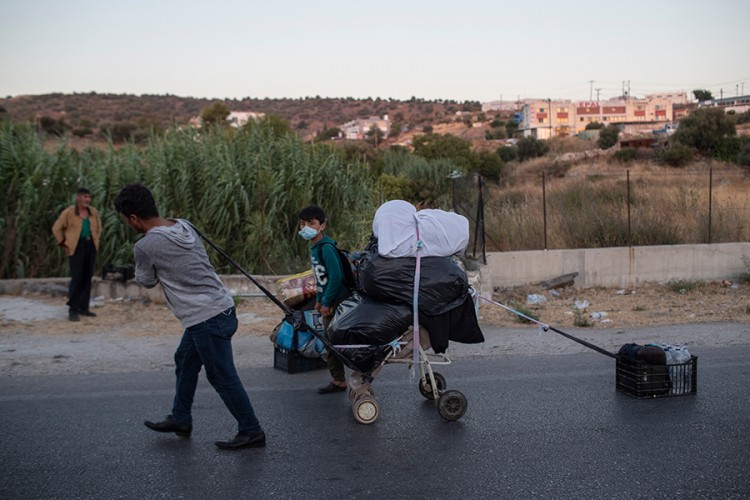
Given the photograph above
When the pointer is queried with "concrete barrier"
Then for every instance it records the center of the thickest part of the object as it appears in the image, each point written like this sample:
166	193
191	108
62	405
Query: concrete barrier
620	267
236	283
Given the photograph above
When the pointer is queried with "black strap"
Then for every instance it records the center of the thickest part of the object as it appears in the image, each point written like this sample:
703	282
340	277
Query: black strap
583	342
295	318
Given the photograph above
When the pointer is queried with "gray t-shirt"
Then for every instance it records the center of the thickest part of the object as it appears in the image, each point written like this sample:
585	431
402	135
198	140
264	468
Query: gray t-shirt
175	257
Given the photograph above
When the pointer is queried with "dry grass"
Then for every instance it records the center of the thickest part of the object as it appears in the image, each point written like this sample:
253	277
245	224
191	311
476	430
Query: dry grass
648	305
587	205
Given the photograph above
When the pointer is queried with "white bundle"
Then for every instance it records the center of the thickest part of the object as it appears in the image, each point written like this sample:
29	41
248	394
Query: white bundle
442	233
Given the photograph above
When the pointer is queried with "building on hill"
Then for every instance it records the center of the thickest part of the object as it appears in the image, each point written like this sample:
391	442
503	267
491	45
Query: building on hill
238	119
503	105
738	104
546	118
358	129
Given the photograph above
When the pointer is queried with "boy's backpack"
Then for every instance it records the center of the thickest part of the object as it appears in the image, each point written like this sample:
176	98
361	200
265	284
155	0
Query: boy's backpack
350	280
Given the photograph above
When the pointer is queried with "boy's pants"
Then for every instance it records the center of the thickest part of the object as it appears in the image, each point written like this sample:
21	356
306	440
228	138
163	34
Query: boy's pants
335	366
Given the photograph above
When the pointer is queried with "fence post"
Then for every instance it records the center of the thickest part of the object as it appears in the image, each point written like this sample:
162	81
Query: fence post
630	241
544	208
479	222
710	198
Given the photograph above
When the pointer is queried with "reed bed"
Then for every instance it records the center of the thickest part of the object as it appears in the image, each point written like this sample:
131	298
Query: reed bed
244	188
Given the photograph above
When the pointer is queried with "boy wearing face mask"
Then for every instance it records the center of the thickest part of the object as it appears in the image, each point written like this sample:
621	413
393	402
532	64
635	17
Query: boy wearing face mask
329	277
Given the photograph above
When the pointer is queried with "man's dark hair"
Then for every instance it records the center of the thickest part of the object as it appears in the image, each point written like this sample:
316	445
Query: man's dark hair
136	199
83	190
312	212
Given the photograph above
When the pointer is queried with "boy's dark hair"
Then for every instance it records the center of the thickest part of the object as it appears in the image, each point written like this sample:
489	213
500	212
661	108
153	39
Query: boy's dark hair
312	212
136	199
83	190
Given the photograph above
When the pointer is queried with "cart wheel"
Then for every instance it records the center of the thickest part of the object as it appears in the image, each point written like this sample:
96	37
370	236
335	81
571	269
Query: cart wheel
366	410
425	387
452	405
353	394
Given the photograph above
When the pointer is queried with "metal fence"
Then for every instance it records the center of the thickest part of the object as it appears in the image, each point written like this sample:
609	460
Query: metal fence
539	212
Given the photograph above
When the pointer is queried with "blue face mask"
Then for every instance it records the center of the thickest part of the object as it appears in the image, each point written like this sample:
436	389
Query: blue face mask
308	233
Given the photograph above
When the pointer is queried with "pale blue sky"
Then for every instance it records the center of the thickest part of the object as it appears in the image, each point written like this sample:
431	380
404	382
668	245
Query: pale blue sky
469	49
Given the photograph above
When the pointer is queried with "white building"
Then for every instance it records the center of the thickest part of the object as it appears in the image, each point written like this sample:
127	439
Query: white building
358	129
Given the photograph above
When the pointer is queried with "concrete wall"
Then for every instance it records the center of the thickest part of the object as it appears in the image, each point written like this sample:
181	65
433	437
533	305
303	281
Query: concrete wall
237	284
621	267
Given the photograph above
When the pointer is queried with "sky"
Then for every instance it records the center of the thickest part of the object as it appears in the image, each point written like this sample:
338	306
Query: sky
478	50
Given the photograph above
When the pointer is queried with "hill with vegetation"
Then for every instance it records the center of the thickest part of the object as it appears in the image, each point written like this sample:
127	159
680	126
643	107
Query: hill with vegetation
92	115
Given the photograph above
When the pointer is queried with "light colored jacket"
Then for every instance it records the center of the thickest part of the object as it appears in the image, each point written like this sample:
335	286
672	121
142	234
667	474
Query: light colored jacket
67	228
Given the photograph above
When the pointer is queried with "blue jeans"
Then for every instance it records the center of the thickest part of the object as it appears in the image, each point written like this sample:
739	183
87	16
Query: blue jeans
209	344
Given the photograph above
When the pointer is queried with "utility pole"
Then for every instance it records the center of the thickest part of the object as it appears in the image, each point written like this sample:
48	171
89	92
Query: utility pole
591	90
549	116
597	94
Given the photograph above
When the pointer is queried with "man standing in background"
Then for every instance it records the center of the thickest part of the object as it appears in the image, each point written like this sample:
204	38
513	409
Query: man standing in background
78	230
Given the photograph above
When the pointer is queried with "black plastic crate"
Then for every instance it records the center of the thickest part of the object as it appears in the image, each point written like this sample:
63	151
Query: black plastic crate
294	362
641	380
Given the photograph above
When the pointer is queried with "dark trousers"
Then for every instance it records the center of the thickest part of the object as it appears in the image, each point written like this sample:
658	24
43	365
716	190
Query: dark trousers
81	271
209	345
335	366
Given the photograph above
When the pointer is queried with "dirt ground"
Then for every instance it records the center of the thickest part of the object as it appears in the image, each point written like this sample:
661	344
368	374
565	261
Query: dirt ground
129	335
650	305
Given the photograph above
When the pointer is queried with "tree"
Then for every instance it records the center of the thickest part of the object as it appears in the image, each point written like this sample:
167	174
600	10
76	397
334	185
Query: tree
704	130
446	146
608	136
215	113
52	126
279	125
530	147
488	164
119	131
702	95
594	126
374	135
328	133
511	128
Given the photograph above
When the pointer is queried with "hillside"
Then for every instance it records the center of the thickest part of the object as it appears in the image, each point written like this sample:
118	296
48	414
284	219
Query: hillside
85	114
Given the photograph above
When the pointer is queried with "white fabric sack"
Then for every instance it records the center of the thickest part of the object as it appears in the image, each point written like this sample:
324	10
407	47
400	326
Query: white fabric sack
395	227
442	233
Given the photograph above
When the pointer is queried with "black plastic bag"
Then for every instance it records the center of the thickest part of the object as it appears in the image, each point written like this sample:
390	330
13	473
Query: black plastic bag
363	320
442	285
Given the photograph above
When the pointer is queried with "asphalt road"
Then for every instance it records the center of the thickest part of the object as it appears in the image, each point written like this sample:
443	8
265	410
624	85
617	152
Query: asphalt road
542	426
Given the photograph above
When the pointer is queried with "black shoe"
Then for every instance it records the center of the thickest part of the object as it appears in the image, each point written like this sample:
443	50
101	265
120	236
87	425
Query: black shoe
331	387
73	315
88	313
244	440
169	425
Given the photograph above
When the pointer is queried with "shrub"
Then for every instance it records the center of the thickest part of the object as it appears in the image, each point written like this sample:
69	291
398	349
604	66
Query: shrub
594	126
683	286
82	131
704	129
523	310
507	153
744	277
624	155
608	136
530	147
743	156
677	155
